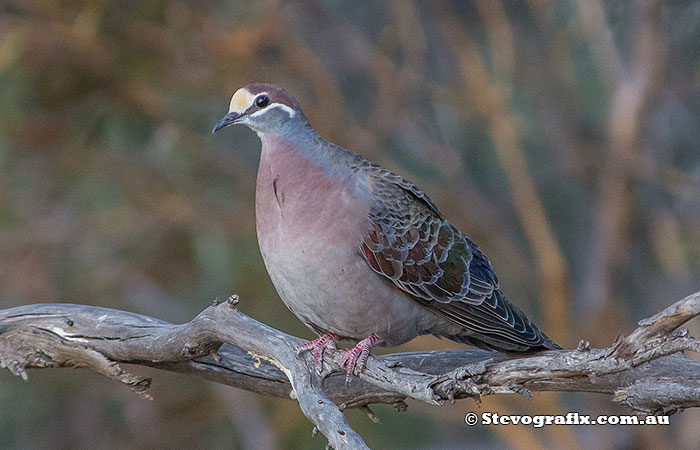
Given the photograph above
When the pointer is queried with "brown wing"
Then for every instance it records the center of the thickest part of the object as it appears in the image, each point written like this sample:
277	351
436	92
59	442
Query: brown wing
416	249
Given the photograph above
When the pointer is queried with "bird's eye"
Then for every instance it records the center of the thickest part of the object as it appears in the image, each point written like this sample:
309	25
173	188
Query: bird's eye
262	101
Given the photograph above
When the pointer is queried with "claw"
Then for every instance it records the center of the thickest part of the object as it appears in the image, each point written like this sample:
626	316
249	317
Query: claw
317	346
356	357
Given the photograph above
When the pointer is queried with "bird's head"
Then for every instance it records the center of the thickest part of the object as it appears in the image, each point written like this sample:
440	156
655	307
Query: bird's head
262	107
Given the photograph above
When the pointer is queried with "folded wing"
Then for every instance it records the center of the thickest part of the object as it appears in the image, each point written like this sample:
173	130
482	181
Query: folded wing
412	246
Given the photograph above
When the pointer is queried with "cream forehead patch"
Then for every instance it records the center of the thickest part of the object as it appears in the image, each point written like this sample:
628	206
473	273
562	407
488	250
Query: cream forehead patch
240	101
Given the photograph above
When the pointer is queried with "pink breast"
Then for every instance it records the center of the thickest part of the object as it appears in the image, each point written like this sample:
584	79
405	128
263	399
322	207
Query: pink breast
301	208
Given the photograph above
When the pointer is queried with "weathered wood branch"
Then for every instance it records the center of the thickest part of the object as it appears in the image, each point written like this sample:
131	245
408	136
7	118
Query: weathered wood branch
645	371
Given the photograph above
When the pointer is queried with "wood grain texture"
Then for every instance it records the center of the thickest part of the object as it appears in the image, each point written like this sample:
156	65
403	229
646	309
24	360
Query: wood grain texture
645	371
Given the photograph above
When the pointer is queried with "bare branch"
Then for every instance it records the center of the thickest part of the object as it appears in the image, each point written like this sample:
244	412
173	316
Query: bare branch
643	371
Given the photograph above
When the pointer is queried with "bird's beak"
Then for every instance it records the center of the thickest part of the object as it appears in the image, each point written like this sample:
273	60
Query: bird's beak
228	119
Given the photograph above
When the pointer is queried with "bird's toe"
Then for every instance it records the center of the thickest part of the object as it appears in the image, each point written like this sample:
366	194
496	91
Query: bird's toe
356	357
317	347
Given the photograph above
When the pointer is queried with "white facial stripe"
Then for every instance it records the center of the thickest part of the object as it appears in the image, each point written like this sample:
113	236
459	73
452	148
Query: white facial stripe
240	101
284	108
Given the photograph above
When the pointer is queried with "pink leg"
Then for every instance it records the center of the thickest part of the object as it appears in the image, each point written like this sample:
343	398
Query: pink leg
356	358
317	346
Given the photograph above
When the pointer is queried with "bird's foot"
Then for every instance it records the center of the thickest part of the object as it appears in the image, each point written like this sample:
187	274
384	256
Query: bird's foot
317	346
356	357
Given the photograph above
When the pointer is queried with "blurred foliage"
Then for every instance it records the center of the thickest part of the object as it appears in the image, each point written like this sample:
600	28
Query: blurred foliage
562	136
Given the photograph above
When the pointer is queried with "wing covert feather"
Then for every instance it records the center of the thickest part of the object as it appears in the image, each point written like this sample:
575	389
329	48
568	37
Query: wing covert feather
414	247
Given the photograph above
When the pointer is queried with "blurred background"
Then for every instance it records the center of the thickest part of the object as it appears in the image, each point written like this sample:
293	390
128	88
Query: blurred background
562	136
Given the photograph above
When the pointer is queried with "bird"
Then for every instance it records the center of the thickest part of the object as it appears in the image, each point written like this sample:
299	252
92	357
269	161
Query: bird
358	252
